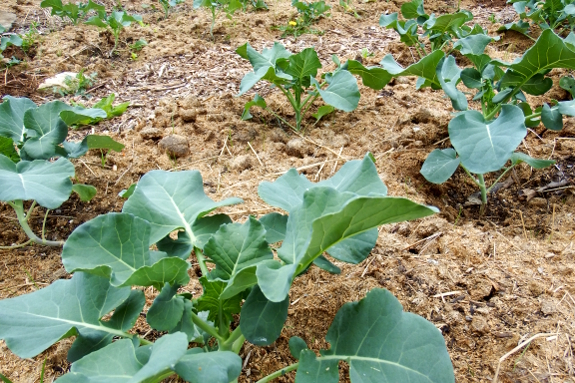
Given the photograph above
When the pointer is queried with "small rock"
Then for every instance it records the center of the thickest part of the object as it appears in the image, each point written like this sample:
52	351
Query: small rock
278	135
479	325
7	19
423	115
297	147
79	38
480	289
175	146
189	115
241	163
527	195
402	229
539	202
536	289
548	307
402	80
150	133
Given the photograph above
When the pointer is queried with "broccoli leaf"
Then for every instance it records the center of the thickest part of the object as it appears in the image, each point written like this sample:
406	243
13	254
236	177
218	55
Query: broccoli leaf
381	343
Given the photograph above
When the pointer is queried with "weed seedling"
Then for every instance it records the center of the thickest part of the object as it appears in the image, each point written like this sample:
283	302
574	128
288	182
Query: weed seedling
309	13
365	53
30	38
347	7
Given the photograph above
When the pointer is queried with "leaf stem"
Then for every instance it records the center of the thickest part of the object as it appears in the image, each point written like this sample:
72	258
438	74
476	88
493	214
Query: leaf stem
30	210
44	225
499	178
201	261
228	344
534	115
483	189
279	373
306	105
144	342
491	115
15	246
471	176
18	207
295	105
207	328
237	346
282	119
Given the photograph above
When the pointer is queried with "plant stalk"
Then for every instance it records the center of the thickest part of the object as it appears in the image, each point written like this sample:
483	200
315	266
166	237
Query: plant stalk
18	207
279	373
281	119
229	343
295	105
307	103
207	328
201	261
237	346
499	178
44	225
482	188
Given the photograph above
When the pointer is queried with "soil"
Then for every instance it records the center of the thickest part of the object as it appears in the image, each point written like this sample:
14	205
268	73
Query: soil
487	281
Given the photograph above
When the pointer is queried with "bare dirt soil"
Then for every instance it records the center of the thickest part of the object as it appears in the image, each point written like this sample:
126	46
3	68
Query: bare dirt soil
488	282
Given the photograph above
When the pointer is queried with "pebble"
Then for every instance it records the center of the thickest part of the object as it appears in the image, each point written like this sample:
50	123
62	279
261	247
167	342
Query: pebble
479	325
188	115
149	133
175	145
297	148
539	202
548	307
241	163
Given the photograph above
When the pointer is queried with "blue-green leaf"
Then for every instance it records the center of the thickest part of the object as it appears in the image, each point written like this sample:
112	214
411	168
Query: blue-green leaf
48	183
12	112
120	362
171	201
440	165
485	146
261	320
381	343
33	322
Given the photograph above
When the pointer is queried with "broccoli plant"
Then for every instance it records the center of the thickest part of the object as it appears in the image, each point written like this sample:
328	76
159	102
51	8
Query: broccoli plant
115	23
216	7
229	7
240	275
557	15
484	141
167	4
438	32
295	76
75	12
30	136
